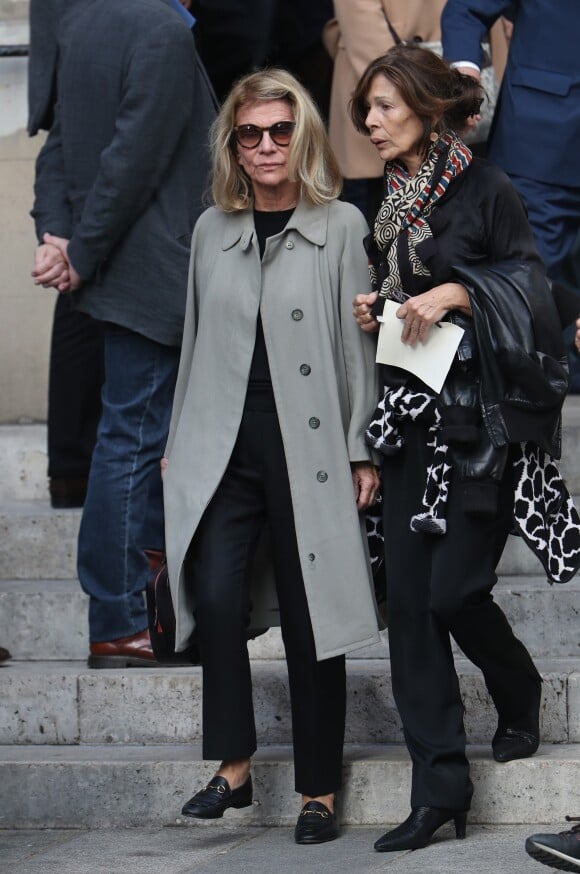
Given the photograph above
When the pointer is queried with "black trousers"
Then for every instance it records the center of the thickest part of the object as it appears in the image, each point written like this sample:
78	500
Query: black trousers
76	376
440	585
254	490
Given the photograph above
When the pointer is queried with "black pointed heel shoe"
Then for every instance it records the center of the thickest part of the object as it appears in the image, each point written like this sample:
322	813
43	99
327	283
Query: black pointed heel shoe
419	828
316	824
214	800
509	744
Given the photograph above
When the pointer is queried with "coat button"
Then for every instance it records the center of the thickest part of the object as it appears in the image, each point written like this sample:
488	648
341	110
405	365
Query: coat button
297	315
289	244
305	369
321	476
314	422
311	556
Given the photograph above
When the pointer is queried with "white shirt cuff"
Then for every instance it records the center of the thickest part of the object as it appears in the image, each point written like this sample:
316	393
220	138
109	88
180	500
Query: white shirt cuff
469	64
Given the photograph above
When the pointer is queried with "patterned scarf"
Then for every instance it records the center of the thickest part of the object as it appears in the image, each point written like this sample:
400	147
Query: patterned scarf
401	222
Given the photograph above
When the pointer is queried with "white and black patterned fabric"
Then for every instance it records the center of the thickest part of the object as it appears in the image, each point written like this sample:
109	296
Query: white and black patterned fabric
403	405
544	513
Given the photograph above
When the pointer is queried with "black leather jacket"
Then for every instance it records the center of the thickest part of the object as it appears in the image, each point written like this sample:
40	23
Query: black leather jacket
510	378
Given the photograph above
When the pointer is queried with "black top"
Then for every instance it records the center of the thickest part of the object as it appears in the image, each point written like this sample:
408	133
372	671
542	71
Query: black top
267	224
479	220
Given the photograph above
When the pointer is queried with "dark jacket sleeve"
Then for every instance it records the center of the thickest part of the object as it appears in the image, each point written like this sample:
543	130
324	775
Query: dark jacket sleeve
465	23
508	232
52	210
155	108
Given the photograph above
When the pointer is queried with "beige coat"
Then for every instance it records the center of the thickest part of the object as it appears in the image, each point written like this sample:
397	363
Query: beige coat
304	288
364	36
358	36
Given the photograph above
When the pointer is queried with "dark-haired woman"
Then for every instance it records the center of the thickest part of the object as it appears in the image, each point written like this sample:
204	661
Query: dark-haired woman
451	241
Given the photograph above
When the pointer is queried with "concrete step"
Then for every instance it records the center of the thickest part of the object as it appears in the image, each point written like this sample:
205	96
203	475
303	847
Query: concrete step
47	619
64	703
23	448
105	786
37	542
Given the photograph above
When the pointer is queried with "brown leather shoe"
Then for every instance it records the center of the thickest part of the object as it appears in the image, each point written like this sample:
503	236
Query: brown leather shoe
126	652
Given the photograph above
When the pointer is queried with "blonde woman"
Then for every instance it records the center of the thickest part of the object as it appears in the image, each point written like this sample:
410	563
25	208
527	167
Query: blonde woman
275	388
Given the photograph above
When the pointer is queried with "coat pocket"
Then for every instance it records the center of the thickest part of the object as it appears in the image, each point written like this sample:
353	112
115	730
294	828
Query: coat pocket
542	80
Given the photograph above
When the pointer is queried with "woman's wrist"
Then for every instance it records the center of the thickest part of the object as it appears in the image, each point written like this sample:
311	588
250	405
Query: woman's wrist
454	296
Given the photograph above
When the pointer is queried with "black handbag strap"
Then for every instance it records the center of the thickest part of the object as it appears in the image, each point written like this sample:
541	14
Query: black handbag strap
393	32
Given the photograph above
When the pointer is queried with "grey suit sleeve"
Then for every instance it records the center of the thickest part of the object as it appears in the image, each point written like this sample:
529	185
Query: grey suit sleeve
465	23
155	108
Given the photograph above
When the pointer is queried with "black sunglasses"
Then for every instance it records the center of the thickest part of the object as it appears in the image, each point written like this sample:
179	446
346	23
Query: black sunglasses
248	136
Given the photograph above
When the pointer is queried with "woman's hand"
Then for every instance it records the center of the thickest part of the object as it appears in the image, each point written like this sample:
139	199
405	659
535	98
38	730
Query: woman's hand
367	483
361	310
421	312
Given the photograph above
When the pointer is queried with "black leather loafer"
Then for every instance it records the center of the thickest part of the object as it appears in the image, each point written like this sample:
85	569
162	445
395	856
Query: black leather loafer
211	802
316	824
510	744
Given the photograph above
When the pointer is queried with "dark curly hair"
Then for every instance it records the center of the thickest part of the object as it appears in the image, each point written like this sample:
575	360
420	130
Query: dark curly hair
441	96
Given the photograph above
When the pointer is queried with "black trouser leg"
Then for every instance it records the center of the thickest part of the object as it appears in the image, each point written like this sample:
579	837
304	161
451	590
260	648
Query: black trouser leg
255	487
463	575
438	585
76	376
317	688
221	557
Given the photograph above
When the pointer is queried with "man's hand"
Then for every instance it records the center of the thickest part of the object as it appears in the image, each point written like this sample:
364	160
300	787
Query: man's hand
51	268
366	483
469	71
61	244
577	337
361	310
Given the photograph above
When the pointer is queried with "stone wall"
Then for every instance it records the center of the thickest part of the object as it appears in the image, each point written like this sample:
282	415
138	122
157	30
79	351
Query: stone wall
25	311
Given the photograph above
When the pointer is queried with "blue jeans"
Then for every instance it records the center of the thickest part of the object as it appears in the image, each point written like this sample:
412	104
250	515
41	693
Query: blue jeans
123	511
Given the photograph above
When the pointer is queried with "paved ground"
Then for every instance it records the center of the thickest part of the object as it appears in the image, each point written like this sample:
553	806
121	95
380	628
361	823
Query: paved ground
218	849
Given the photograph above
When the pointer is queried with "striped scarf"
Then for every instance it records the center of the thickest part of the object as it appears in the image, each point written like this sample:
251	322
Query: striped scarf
401	222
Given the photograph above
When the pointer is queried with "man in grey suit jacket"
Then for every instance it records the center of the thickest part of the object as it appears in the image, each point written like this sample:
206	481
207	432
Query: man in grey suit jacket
119	185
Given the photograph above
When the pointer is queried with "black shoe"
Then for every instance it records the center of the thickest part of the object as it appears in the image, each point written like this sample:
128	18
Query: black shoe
510	743
67	492
211	802
419	828
316	824
561	851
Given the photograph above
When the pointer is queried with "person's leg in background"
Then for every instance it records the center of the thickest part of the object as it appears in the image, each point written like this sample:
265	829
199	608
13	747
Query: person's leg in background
76	375
123	511
554	215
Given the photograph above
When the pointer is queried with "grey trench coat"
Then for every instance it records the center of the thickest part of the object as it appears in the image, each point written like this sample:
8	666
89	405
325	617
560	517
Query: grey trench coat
325	386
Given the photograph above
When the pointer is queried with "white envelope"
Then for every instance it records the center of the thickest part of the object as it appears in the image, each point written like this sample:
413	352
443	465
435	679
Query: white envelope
430	361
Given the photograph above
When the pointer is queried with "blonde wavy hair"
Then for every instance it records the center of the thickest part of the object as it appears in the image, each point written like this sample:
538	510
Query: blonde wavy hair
310	158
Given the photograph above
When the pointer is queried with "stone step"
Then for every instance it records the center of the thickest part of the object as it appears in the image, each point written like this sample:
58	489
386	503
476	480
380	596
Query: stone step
37	542
23	449
108	786
47	619
63	703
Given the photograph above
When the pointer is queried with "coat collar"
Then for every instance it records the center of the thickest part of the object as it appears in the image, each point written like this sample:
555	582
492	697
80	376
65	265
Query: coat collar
311	222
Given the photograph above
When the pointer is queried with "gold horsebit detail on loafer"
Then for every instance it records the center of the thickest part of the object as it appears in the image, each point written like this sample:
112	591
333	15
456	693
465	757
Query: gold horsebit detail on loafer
220	789
321	813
